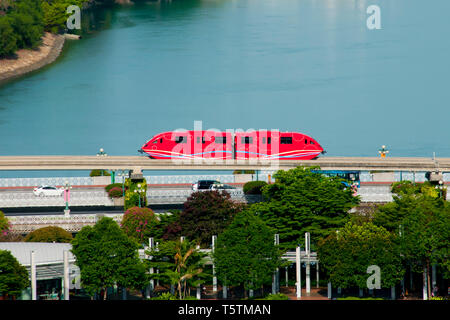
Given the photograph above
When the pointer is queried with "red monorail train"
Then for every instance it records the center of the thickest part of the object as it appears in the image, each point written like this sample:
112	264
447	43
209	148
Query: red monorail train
208	144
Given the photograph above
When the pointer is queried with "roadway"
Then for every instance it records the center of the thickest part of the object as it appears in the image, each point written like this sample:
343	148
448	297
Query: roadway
138	163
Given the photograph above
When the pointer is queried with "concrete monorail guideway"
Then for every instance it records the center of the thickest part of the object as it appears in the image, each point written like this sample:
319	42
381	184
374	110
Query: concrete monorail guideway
138	163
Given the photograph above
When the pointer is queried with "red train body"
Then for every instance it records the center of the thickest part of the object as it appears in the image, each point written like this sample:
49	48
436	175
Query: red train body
207	144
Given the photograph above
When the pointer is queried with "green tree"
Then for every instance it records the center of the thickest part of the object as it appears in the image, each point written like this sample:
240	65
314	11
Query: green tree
55	13
206	214
4	224
13	276
347	254
179	263
8	39
27	21
305	201
139	223
245	253
49	234
105	256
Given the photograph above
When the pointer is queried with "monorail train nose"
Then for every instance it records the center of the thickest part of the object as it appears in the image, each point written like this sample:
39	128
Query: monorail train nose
141	151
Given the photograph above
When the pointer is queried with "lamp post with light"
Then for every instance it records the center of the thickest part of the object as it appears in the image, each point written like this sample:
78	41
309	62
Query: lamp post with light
139	191
67	188
441	189
383	151
123	174
102	153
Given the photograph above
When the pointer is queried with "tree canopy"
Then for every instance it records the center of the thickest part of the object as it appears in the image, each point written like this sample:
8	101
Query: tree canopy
305	201
206	214
105	256
245	253
139	223
13	276
347	254
49	234
179	263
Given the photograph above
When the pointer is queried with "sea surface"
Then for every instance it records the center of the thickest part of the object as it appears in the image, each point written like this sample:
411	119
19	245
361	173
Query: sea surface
311	66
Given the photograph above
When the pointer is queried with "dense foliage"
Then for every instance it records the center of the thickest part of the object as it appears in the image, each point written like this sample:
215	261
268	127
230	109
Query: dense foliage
49	234
139	223
347	254
254	187
13	276
206	214
115	193
99	172
305	201
107	256
245	253
132	198
4	224
179	263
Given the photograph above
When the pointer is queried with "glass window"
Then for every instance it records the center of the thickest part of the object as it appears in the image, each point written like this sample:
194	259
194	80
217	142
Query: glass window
156	141
160	140
181	139
311	142
247	140
306	141
286	140
221	140
203	140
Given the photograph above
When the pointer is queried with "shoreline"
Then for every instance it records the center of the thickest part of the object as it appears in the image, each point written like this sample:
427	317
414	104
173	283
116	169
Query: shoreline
28	60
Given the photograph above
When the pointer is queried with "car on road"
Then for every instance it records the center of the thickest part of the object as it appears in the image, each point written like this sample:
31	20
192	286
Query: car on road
221	186
43	191
204	184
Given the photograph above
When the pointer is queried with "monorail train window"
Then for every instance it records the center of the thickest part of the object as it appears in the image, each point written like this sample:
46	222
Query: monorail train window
180	139
247	140
160	140
306	141
311	142
286	140
221	140
203	140
156	141
269	140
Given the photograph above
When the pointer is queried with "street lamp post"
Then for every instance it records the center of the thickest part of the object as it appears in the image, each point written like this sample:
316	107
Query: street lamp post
67	188
441	188
383	151
139	191
102	153
123	174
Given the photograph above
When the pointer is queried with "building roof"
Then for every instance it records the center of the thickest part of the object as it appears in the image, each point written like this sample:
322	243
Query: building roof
45	253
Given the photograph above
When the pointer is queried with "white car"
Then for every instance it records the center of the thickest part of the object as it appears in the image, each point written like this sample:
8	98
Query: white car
48	191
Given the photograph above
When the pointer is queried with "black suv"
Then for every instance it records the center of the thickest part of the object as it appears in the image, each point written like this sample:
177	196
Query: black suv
204	184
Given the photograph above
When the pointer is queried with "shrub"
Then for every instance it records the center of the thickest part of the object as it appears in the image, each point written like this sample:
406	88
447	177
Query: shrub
98	172
139	223
113	185
254	187
49	234
115	193
4	224
244	172
277	296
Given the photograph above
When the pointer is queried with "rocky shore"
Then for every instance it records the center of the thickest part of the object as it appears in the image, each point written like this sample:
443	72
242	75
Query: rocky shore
29	60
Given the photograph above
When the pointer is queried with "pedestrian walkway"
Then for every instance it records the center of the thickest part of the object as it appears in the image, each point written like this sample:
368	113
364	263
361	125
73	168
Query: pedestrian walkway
315	294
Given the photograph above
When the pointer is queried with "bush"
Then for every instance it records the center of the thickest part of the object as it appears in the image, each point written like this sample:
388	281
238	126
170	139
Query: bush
49	234
139	223
98	172
4	224
113	185
244	172
277	296
254	187
8	39
115	193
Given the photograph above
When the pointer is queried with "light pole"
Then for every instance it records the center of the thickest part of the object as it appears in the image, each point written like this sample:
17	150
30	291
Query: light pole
441	188
139	191
102	153
123	174
383	151
67	188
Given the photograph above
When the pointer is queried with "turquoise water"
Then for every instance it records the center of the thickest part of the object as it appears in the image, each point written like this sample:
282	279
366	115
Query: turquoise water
305	65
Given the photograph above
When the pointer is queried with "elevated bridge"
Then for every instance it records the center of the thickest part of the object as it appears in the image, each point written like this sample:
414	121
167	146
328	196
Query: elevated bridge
138	163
